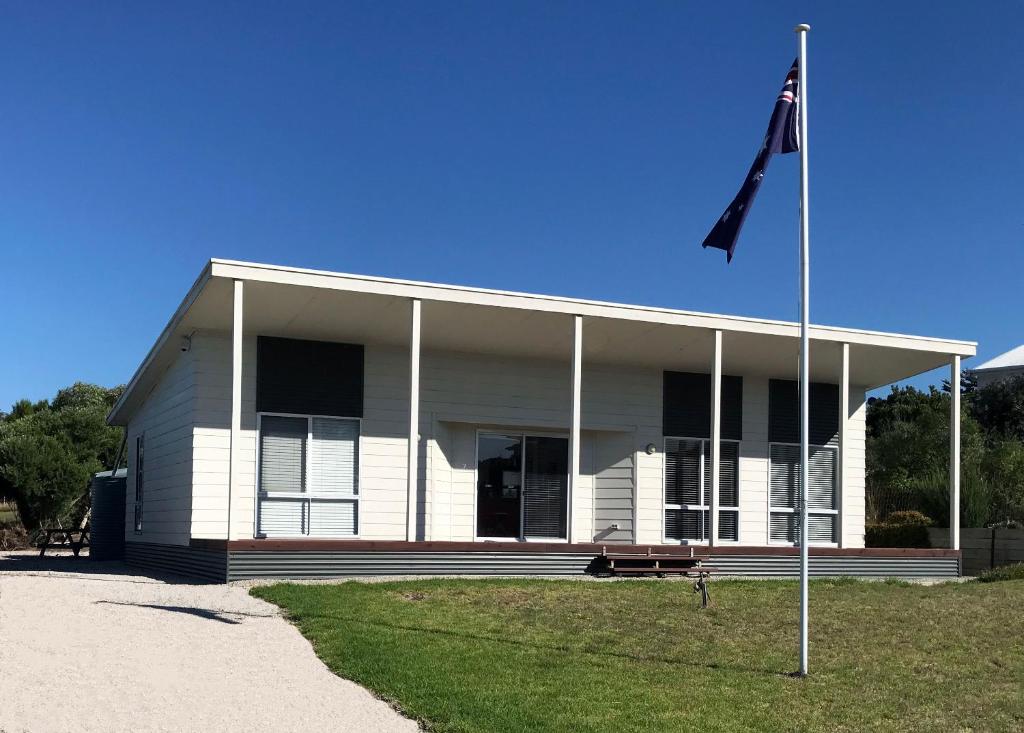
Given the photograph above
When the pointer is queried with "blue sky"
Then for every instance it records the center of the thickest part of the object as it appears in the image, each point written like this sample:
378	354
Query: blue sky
576	148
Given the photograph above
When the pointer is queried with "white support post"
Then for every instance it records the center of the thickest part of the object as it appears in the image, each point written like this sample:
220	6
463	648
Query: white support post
954	453
236	397
414	419
844	417
574	426
716	439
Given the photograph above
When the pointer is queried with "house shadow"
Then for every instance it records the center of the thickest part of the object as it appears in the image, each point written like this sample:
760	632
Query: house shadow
224	617
85	568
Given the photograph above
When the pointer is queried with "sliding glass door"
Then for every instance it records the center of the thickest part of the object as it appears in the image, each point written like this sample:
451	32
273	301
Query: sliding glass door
522	486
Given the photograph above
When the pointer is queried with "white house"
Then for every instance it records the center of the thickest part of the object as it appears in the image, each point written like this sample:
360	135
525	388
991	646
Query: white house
300	423
1004	366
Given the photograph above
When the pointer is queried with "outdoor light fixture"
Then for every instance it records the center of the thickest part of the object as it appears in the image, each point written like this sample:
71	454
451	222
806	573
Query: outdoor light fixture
651	449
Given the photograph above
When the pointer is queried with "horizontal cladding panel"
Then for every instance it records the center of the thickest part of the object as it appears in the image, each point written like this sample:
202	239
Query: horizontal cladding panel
251	564
178	559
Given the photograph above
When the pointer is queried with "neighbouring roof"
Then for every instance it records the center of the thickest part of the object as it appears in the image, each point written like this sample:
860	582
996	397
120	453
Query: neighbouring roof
321	305
1009	360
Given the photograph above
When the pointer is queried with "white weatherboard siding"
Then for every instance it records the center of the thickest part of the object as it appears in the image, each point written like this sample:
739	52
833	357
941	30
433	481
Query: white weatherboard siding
166	419
212	439
753	527
854	494
187	421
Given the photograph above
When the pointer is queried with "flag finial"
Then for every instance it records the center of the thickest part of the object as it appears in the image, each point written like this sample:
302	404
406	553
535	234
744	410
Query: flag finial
802	28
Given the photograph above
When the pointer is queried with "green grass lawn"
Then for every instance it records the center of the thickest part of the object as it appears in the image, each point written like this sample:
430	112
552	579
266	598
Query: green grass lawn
535	655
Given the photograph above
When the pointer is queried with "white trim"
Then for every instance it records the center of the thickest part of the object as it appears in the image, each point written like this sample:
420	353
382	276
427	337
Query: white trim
700	487
519	435
305	495
715	440
237	335
791	510
574	425
954	452
844	440
412	463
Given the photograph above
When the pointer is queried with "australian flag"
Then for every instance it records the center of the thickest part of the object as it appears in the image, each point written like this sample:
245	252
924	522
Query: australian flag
783	136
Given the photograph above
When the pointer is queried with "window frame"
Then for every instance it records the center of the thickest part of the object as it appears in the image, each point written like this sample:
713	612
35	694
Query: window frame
305	495
836	497
140	479
706	506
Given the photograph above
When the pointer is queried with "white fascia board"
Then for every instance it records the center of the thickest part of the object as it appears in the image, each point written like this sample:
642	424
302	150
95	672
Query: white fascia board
575	306
186	303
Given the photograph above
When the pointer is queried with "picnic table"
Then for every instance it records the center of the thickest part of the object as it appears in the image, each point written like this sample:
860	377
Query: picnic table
76	539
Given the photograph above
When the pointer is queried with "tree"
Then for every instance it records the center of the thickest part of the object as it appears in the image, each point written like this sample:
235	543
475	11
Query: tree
24	408
47	455
999	408
908	453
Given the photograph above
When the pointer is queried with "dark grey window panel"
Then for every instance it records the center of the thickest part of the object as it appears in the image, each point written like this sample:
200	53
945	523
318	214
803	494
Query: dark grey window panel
728	525
728	474
686	405
686	524
784	412
309	377
682	472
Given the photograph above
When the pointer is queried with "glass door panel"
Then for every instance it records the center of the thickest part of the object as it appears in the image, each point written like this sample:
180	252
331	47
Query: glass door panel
499	486
546	488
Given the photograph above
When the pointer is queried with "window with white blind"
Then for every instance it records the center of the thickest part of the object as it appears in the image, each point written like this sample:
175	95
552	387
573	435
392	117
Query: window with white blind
308	476
784	494
688	489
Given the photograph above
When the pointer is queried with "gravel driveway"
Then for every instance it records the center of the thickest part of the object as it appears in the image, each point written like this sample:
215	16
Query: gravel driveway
93	646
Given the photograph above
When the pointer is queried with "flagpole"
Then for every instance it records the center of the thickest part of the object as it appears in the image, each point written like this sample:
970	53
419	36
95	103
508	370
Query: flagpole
805	291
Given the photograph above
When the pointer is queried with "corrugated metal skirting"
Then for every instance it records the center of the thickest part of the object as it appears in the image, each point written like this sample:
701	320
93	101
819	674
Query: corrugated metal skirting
301	564
242	565
181	560
853	566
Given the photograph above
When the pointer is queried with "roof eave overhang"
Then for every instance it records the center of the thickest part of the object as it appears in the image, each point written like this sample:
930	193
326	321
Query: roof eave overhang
574	306
116	416
245	271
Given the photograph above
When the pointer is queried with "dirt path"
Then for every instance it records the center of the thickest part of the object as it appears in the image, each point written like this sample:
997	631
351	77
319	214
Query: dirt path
109	650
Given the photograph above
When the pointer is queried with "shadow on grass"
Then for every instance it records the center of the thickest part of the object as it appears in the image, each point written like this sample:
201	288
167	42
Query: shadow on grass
564	648
224	617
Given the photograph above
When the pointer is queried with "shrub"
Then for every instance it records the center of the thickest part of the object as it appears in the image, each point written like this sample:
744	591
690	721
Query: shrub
900	529
909	518
1007	572
14	537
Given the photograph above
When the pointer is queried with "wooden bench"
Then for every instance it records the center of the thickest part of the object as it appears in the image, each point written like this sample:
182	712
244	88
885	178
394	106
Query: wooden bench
660	565
76	539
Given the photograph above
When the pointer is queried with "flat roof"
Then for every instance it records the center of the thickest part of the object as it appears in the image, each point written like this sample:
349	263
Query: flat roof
207	305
